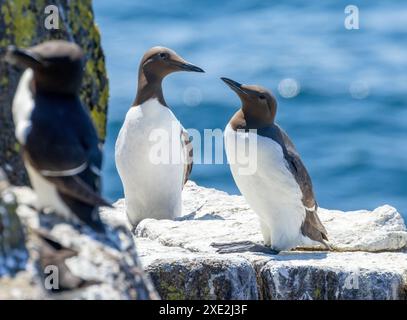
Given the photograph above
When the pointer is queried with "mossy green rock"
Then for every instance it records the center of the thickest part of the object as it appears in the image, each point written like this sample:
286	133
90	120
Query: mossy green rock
22	24
203	278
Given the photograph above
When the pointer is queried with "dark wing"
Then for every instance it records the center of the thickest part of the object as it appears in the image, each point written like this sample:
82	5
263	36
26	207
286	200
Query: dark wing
93	148
53	254
312	227
189	153
79	187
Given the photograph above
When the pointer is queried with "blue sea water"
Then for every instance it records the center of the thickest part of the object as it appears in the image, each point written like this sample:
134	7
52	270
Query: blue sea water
349	120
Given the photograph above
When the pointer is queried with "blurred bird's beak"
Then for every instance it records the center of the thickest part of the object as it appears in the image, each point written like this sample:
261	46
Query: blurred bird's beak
235	86
22	57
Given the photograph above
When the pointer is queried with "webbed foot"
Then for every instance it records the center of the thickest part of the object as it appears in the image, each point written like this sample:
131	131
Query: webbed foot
242	246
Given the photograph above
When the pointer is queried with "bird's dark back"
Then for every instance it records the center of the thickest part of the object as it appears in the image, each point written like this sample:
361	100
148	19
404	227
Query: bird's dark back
61	128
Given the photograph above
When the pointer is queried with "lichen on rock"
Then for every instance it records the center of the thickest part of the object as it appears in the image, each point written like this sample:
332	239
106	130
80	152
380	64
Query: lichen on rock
204	278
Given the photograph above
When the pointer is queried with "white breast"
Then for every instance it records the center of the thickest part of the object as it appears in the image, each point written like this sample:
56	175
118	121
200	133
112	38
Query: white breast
23	104
271	190
152	185
47	194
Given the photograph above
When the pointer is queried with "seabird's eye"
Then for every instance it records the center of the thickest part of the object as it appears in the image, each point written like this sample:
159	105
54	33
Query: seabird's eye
262	97
163	55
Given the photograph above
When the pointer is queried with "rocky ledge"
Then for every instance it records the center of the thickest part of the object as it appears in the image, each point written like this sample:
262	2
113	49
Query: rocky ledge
369	260
79	262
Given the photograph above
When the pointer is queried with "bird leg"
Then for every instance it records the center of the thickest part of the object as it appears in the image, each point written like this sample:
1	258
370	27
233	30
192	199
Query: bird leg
242	246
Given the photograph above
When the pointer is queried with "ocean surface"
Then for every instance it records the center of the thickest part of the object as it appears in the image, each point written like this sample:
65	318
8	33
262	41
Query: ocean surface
342	93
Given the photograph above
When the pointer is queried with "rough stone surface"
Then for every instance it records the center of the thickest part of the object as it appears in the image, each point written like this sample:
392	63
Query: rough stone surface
110	261
225	218
356	275
13	253
22	24
180	278
182	265
369	260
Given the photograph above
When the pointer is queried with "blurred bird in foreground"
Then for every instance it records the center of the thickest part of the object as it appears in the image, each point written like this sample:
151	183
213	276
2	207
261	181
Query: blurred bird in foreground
61	150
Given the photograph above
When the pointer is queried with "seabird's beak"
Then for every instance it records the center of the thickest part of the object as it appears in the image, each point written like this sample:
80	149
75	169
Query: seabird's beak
22	57
183	65
191	67
235	86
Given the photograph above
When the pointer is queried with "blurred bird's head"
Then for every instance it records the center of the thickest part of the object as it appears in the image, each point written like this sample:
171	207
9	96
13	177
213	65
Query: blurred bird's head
257	101
57	65
159	62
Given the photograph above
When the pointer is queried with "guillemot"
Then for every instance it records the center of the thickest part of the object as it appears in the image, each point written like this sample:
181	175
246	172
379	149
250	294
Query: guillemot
153	174
280	189
60	145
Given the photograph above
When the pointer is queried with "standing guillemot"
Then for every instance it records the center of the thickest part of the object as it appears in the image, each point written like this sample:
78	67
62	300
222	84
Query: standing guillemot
60	146
280	190
152	189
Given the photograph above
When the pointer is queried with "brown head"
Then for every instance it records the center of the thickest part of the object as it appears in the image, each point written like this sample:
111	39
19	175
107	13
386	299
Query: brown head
57	65
259	107
156	64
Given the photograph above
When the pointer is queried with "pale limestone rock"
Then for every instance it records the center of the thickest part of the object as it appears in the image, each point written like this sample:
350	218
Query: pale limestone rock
225	218
344	275
182	264
180	260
